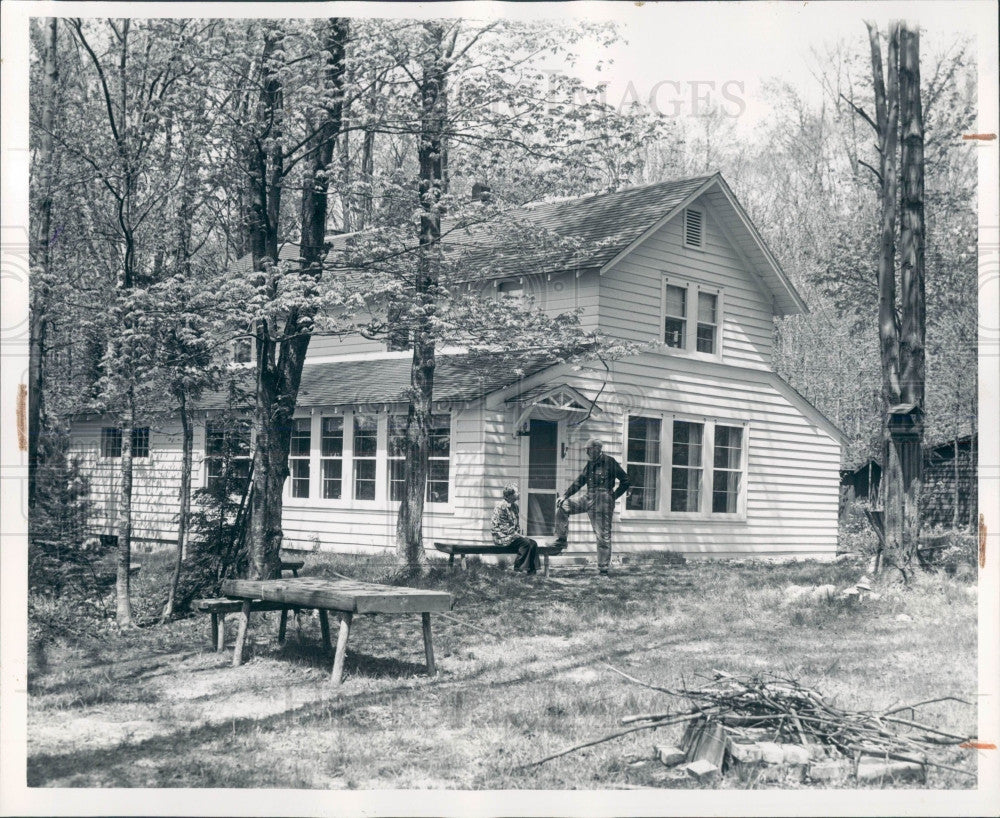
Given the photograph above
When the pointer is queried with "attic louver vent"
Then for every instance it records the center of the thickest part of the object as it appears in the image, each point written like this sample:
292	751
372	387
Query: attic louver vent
693	228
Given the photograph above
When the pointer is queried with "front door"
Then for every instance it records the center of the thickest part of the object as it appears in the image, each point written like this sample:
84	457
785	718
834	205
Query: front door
543	459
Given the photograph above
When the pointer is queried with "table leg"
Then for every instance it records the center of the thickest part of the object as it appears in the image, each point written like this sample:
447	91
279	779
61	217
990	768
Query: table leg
428	645
213	629
545	560
324	626
338	659
281	626
241	634
220	633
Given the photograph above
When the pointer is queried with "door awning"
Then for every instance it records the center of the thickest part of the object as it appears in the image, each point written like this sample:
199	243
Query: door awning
553	403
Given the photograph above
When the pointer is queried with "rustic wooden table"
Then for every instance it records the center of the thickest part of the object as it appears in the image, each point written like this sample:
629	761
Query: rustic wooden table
345	597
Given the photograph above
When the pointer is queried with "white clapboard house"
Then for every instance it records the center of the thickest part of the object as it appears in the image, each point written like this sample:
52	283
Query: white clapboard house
726	458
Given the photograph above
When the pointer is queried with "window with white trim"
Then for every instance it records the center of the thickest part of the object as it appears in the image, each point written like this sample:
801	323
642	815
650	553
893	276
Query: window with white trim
680	466
438	458
111	442
642	454
331	457
686	466
365	454
299	451
226	448
708	322
727	469
675	316
692	316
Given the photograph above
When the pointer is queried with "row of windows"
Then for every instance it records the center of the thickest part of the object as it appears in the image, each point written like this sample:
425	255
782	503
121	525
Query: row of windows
352	449
705	463
111	441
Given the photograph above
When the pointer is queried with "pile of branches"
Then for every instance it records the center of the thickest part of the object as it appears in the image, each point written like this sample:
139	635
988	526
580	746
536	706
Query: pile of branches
790	713
767	707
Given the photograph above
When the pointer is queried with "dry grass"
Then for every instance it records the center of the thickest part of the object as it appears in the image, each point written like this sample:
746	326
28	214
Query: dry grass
520	677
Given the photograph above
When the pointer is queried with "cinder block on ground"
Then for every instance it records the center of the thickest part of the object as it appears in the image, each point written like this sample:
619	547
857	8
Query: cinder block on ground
771	752
745	753
795	753
898	770
701	769
670	755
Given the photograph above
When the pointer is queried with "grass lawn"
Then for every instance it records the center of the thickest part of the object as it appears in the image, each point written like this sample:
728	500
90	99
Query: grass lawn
521	675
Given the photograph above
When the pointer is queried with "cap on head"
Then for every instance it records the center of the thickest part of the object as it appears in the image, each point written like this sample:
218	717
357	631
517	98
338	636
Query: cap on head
509	489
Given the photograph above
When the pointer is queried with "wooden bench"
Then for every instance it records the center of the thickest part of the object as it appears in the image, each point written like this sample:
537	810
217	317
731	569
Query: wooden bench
346	597
462	551
218	607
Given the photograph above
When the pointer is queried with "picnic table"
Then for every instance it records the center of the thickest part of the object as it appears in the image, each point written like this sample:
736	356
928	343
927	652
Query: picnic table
345	597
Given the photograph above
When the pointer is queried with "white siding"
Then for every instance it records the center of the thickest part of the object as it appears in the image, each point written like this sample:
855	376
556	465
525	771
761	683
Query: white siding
630	295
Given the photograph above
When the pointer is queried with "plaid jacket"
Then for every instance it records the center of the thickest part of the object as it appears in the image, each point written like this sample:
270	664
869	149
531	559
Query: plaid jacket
506	523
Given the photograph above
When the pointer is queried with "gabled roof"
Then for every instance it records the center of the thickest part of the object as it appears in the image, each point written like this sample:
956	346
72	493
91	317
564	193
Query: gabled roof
598	231
387	380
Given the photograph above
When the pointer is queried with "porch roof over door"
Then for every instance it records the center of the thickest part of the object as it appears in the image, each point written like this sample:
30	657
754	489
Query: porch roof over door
553	402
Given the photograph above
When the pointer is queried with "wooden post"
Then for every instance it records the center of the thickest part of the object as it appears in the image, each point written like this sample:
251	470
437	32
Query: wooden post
220	632
241	634
324	626
545	562
213	628
428	645
338	659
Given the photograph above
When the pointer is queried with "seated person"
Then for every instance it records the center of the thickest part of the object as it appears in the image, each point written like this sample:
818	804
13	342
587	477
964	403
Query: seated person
507	531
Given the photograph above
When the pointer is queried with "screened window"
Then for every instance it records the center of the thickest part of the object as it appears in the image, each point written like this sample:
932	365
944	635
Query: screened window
727	469
438	459
298	456
675	320
365	455
685	478
331	456
111	442
396	455
643	459
227	453
707	322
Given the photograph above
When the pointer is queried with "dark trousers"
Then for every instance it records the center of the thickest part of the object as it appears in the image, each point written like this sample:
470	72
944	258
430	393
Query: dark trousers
527	555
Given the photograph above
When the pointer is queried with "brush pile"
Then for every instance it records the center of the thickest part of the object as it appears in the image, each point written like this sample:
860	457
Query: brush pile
767	719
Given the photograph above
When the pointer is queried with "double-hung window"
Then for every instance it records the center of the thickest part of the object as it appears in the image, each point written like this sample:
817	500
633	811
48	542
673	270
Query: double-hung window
227	453
111	442
438	459
331	455
396	456
680	466
643	463
298	456
365	455
692	316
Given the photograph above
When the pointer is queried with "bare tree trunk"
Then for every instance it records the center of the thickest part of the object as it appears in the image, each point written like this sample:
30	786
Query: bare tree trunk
184	513
886	122
41	259
123	604
431	155
912	337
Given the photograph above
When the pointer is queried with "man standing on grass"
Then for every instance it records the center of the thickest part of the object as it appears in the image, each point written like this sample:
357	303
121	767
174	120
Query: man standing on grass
507	531
599	476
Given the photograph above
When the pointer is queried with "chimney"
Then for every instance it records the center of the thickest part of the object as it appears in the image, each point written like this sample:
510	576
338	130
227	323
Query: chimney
481	192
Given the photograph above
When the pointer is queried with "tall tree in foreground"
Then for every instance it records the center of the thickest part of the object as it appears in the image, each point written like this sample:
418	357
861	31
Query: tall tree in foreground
901	328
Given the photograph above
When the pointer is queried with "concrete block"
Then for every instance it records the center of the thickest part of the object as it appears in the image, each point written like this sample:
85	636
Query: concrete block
828	771
770	752
669	755
745	753
795	754
898	770
701	769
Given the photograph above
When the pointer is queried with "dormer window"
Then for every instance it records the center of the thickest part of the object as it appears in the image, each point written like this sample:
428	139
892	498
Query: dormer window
694	228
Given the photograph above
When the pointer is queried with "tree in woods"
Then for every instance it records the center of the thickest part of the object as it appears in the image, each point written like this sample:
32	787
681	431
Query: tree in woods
898	125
